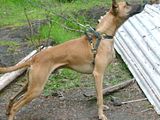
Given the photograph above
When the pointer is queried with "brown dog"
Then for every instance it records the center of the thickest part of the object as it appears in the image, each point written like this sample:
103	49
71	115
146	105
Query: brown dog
75	54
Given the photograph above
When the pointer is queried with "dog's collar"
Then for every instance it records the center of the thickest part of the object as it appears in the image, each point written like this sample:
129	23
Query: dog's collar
105	36
90	33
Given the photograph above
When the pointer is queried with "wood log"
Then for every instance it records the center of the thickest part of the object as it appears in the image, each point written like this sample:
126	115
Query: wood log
117	87
111	89
9	77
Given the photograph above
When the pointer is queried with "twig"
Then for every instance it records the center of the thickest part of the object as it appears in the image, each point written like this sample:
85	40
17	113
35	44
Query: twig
50	26
30	25
146	110
71	29
119	103
132	101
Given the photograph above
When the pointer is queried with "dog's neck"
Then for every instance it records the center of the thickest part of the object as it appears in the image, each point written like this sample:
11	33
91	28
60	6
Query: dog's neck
108	24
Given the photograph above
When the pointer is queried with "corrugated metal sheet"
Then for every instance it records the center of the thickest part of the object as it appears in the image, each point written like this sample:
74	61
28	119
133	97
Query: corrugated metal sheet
138	42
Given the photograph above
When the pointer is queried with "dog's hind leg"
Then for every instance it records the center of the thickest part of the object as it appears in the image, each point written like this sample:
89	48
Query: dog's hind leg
37	78
18	95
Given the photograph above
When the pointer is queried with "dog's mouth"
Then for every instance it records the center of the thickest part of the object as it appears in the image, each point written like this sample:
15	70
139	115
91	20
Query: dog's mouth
136	9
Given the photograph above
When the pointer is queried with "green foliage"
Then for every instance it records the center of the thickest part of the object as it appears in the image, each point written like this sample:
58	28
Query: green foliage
12	13
64	1
61	35
65	79
8	43
57	33
118	72
11	45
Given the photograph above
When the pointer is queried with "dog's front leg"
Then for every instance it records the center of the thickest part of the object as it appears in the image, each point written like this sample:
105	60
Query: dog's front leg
99	90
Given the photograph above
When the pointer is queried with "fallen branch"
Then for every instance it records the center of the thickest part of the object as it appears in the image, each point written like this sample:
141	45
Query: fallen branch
9	77
147	110
119	103
111	89
118	87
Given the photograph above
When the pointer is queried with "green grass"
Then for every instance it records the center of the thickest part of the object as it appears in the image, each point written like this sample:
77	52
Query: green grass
12	14
117	72
80	5
12	11
57	33
64	79
8	43
11	45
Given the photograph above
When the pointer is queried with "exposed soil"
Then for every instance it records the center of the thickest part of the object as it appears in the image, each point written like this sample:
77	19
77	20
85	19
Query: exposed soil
73	105
10	55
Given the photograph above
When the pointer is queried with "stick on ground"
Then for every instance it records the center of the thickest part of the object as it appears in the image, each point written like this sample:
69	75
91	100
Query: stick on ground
112	89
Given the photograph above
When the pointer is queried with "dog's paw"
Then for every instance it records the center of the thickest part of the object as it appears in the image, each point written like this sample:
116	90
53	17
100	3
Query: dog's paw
102	117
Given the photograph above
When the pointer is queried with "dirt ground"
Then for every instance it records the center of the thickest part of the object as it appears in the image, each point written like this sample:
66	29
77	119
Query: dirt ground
73	105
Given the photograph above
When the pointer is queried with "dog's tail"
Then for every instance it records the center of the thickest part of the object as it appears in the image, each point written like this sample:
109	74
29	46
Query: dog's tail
16	67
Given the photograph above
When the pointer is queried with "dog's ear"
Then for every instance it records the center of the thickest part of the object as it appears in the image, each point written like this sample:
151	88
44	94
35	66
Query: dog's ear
114	9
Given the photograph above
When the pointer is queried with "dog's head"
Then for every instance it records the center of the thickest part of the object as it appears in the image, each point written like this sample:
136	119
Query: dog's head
117	15
125	9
